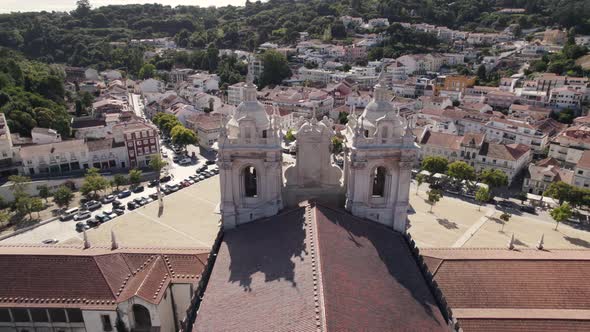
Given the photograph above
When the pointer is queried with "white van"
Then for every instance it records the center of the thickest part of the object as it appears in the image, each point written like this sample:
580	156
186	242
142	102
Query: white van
69	214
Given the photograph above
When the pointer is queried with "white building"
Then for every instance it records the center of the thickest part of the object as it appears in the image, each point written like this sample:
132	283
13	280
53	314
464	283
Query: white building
151	86
569	145
315	75
565	97
235	93
45	135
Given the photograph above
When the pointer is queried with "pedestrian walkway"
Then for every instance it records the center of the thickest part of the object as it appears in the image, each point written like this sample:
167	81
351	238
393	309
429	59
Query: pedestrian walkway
474	228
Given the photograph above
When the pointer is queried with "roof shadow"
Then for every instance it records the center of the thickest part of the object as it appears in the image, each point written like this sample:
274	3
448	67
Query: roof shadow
272	247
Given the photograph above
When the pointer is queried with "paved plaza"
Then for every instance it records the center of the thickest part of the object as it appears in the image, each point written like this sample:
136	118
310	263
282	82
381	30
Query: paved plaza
458	222
190	219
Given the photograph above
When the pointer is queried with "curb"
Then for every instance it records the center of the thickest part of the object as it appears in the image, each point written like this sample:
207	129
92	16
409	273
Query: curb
26	229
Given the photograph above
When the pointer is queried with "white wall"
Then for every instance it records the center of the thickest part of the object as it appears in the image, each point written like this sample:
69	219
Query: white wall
93	321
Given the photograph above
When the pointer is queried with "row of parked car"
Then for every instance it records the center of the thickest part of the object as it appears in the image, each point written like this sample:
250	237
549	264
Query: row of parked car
84	211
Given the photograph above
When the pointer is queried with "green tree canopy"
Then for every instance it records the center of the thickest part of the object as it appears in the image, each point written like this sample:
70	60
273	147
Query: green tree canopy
183	136
482	195
561	214
276	68
494	178
63	196
461	171
93	182
435	164
135	176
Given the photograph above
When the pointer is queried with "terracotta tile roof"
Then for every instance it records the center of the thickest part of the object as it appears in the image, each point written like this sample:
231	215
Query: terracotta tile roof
511	152
370	280
524	325
316	269
508	290
92	279
448	141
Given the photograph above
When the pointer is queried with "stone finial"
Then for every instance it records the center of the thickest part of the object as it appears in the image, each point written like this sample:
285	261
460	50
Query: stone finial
511	243
541	242
86	242
114	244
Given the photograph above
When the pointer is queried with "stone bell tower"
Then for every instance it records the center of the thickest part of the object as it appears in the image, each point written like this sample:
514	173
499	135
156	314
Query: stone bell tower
249	163
379	156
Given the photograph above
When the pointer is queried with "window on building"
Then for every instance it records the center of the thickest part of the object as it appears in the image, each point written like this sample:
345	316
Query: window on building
39	315
264	134
106	323
20	315
379	181
580	172
75	316
250	182
5	316
58	315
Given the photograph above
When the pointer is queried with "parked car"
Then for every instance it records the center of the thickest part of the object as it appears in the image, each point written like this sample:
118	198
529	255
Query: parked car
116	203
82	215
164	155
210	162
173	188
50	241
124	193
165	178
202	168
153	183
528	209
119	211
92	205
108	199
132	205
176	159
138	189
81	226
185	161
202	177
138	201
154	196
184	184
68	214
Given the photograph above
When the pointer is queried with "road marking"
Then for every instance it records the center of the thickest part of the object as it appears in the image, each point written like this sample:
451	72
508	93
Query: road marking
473	229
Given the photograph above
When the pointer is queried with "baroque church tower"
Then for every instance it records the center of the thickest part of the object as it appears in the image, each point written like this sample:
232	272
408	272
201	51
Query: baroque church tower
378	162
249	163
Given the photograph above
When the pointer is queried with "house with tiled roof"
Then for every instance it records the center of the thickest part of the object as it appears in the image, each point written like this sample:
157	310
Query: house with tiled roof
582	171
449	146
510	158
97	289
568	146
543	173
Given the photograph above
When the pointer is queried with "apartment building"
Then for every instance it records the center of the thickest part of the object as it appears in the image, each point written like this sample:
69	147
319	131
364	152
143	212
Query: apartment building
570	144
512	131
510	158
542	174
140	139
235	93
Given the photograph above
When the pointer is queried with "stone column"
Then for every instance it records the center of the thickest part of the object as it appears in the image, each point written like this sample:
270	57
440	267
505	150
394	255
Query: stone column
227	208
403	195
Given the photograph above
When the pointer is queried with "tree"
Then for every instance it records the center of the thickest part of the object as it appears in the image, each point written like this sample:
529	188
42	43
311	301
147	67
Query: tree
147	71
289	136
559	190
461	171
23	205
561	214
276	68
119	180
494	178
420	178
63	196
19	185
165	122
135	176
44	192
157	164
482	195
4	217
505	217
36	205
183	136
482	73
434	196
83	8
93	182
435	164
336	145
521	196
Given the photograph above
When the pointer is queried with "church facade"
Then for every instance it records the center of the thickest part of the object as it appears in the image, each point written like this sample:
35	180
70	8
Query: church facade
374	184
